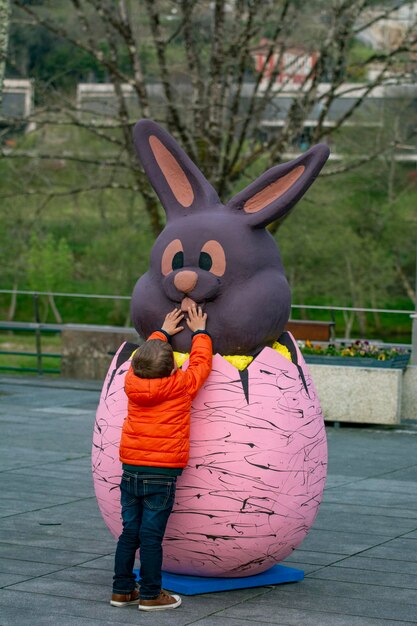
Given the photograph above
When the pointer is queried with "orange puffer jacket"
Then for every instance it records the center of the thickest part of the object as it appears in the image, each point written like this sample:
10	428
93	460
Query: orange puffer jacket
156	431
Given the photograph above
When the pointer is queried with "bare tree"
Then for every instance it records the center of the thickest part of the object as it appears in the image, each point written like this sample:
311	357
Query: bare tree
211	97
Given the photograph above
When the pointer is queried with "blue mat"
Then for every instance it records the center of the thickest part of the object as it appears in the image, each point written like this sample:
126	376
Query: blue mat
192	585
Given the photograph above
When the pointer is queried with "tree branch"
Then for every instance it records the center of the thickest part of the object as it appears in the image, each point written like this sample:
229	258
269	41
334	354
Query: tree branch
124	27
194	66
31	154
380	16
174	115
214	91
233	168
70	192
241	50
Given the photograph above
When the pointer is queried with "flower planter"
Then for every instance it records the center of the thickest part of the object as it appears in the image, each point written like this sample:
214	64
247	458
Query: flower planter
400	361
361	395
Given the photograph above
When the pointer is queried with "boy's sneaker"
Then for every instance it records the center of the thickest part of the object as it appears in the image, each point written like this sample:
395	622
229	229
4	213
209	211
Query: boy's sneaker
125	599
161	603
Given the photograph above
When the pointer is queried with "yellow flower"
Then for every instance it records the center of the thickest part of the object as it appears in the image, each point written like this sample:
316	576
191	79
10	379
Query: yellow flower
381	357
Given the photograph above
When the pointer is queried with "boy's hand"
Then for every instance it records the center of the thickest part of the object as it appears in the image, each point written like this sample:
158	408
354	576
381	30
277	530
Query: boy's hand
196	319
171	322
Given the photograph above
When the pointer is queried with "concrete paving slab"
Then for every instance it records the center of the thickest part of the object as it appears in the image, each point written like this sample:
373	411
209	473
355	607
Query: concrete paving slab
341	542
50	540
367	509
68	472
58	525
322	600
407	474
379	498
397	550
102	563
13	456
51	586
337	480
372	565
307	568
386	579
293	617
412	535
314	558
10	507
386	485
86	575
11	579
352	522
44	555
26	568
84	509
34	487
341	589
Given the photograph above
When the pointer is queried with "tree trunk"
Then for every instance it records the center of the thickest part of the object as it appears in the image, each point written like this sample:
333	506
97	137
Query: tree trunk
376	316
54	308
4	38
152	209
406	285
348	319
12	307
362	323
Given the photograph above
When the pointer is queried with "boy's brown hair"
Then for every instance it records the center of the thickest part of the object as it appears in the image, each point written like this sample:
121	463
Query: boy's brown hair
153	359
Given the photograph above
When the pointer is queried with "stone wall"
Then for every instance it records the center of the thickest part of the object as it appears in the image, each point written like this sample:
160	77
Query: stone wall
87	354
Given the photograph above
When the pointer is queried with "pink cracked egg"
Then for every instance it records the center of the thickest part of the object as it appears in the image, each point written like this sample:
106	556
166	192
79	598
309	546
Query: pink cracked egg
256	473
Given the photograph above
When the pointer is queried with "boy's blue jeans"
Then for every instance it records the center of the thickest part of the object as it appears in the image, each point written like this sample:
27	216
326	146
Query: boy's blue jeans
147	501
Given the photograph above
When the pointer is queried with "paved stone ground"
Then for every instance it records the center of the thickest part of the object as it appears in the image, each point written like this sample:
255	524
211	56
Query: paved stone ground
56	555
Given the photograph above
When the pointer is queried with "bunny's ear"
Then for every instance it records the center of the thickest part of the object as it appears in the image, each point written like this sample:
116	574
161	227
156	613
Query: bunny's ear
180	185
274	193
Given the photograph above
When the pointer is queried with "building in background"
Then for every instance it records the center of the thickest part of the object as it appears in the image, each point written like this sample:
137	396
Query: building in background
17	98
292	66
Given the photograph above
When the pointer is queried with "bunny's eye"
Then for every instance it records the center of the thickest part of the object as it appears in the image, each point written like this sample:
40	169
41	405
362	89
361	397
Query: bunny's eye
205	261
178	261
173	257
212	258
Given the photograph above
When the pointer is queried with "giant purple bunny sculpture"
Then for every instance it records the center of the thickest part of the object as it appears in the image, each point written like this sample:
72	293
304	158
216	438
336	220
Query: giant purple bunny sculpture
258	452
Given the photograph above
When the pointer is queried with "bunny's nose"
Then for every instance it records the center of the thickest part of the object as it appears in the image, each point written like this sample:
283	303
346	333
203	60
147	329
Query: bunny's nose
185	281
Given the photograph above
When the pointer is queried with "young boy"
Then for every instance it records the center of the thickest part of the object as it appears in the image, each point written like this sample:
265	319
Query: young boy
154	449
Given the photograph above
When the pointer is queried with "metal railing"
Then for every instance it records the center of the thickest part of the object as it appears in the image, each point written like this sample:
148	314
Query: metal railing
322	307
38	354
39	329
